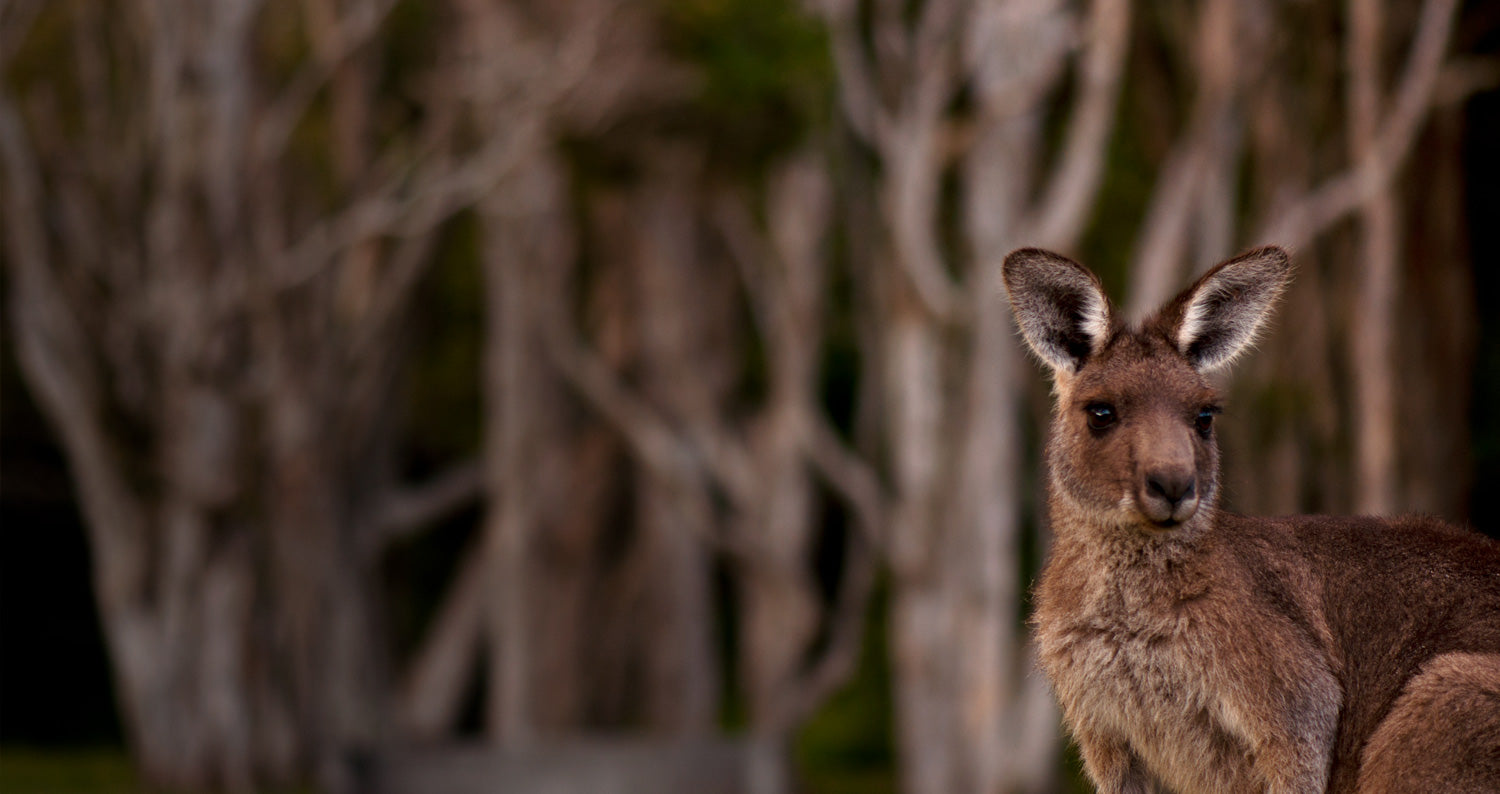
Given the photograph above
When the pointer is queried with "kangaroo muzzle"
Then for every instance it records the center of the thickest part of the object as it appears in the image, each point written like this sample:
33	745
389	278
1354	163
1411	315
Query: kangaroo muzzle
1167	489
1168	497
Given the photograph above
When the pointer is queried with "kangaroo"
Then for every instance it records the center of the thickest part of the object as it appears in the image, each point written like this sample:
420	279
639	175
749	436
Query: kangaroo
1197	650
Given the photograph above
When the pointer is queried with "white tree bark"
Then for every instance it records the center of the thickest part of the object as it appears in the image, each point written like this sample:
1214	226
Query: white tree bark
972	716
1371	337
222	384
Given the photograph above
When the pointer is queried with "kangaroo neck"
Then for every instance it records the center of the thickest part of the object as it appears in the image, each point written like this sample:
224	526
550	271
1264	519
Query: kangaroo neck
1130	576
1123	548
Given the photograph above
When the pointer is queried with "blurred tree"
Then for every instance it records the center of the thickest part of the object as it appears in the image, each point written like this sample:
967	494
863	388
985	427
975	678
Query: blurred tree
528	594
1255	162
601	610
956	95
215	214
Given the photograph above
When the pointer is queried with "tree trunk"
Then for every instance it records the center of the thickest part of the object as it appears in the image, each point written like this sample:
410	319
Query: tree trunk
1371	338
683	312
972	714
782	608
527	257
222	393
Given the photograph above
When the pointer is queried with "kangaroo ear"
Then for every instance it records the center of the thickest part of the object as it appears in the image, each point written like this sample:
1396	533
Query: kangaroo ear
1219	317
1059	305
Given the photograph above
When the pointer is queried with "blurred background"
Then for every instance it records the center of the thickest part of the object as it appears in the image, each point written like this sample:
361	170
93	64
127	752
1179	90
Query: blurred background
595	395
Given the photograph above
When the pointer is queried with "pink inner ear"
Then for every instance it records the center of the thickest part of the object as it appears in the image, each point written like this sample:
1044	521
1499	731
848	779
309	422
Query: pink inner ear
1220	315
1224	316
1059	306
1096	322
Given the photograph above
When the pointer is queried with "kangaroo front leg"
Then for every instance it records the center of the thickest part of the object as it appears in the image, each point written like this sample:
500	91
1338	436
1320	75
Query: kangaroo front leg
1280	698
1294	770
1113	767
1294	746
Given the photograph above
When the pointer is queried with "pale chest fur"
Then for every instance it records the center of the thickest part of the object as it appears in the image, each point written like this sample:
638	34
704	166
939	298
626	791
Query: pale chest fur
1142	663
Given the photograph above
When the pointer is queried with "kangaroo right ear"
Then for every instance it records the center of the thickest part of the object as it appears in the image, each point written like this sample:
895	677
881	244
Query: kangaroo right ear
1059	305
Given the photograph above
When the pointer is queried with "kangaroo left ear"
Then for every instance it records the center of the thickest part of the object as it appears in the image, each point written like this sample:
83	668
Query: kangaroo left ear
1220	316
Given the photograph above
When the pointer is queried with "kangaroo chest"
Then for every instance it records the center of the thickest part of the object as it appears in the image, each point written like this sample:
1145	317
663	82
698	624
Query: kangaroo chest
1142	668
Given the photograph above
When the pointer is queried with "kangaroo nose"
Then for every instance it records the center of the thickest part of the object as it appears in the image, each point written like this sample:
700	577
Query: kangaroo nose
1169	496
1173	487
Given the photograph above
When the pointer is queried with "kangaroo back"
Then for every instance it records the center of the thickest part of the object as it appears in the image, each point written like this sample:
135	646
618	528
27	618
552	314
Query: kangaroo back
1210	652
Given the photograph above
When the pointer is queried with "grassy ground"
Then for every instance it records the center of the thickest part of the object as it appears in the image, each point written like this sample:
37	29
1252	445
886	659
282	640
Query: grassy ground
74	771
103	771
108	771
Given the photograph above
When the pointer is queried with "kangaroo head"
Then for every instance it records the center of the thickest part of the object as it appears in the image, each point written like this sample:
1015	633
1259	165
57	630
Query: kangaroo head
1132	442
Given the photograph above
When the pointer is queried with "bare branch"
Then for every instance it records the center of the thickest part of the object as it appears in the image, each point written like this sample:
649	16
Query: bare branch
54	351
800	205
846	631
727	460
682	457
16	18
1414	94
1464	77
908	139
1067	199
749	253
222	65
852	477
347	37
408	510
1307	217
911	196
783	276
397	212
858	93
1016	53
1209	134
1370	339
914	157
1164	236
934	54
890	41
432	689
404	267
416	200
648	434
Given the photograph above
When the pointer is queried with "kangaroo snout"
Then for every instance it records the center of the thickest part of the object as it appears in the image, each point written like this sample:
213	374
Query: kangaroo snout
1168	496
1168	490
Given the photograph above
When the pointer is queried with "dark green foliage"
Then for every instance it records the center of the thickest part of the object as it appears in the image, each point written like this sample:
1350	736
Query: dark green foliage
74	772
46	59
765	75
447	331
1124	195
83	771
847	745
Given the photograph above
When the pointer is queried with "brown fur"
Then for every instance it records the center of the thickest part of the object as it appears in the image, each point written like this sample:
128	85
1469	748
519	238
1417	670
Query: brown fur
1203	651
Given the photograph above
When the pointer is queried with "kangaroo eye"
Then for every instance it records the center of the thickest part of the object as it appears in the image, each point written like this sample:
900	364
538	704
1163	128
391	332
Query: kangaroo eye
1100	415
1205	421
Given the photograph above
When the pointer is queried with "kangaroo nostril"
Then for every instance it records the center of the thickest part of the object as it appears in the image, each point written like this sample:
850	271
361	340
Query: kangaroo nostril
1173	489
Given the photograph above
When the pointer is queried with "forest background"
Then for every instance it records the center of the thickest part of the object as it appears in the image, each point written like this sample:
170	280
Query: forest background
631	382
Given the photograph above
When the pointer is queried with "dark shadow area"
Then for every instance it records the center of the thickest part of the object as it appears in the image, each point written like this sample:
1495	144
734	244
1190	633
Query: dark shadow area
54	680
1482	208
